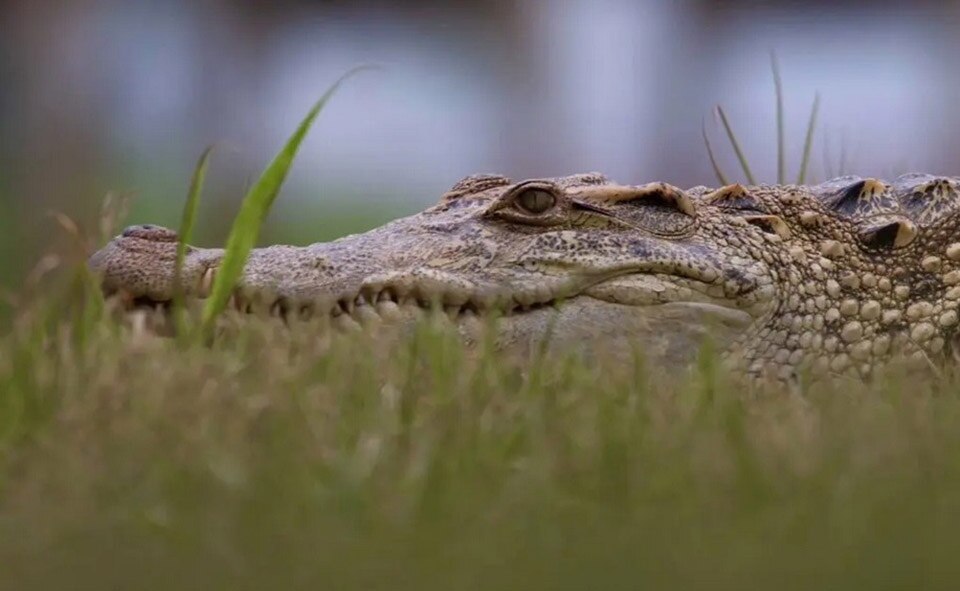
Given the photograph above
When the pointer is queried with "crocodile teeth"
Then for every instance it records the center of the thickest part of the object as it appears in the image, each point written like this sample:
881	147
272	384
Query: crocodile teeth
368	316
388	310
206	282
278	310
455	299
473	325
345	323
525	298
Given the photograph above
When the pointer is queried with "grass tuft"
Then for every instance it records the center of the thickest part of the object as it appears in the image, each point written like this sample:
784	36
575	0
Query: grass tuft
736	145
721	178
276	459
185	236
781	134
253	210
808	140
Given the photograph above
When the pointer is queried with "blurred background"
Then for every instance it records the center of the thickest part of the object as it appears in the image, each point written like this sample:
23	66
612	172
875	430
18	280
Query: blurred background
99	96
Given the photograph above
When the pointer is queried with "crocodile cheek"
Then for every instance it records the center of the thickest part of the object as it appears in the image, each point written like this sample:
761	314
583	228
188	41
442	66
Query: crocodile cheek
647	290
670	334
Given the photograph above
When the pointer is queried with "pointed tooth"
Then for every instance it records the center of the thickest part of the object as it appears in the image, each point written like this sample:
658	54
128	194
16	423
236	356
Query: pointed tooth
138	323
367	316
524	298
278	309
345	323
544	294
206	282
388	310
456	298
471	326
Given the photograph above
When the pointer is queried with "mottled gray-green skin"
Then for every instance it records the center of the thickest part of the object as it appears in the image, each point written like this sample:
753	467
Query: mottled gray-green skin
836	277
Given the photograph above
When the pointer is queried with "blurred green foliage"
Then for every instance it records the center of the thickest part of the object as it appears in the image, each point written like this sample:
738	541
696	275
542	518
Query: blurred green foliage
277	459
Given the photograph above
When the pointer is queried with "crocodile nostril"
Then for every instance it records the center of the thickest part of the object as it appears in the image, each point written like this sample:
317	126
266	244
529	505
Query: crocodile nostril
150	232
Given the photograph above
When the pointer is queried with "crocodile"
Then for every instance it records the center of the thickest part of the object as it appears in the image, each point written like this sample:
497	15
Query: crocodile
834	278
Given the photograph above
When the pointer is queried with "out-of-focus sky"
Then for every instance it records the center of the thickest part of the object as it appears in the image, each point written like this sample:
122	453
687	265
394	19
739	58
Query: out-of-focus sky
101	95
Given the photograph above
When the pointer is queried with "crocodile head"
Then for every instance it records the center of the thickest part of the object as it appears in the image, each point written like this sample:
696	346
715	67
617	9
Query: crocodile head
836	277
586	260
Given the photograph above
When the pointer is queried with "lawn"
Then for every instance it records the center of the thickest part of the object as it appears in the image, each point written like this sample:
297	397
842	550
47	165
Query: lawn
275	459
252	455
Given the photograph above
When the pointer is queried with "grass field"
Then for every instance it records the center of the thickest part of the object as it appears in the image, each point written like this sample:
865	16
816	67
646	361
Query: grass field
267	458
274	460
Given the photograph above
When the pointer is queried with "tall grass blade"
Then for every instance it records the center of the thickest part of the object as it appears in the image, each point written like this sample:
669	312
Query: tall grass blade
721	178
808	142
778	87
736	146
185	236
256	204
86	299
827	157
842	167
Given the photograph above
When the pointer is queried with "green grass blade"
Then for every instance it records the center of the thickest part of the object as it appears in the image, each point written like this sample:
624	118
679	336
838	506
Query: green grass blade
736	146
185	235
778	87
721	178
256	204
808	142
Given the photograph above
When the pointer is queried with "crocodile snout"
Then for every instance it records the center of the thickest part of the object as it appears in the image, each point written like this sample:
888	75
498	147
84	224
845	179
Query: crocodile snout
150	232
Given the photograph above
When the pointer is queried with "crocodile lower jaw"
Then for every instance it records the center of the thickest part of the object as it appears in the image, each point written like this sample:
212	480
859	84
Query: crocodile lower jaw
669	334
667	319
378	300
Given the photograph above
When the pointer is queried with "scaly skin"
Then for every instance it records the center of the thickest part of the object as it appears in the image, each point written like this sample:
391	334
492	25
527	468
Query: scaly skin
836	277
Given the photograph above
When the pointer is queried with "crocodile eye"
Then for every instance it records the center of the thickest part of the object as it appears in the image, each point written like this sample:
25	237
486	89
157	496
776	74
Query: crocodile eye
535	201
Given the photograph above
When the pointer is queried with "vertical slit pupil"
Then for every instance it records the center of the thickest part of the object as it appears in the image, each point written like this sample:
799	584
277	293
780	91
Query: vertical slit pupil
536	200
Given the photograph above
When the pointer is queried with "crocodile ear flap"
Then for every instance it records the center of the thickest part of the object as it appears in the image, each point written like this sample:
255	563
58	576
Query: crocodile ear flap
652	193
888	233
667	196
771	224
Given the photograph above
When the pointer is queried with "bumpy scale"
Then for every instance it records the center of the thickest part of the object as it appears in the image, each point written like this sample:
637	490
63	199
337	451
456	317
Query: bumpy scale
836	277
